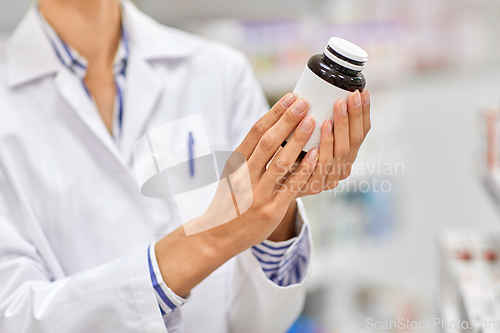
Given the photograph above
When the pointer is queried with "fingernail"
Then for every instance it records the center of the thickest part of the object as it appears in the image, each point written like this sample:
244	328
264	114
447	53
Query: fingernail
289	100
366	97
312	154
300	106
356	99
343	107
329	125
306	124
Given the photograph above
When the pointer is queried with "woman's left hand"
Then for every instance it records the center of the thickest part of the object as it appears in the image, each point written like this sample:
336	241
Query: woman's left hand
340	145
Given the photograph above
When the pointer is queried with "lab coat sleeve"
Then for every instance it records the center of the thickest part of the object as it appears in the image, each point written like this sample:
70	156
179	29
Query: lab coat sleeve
114	297
257	304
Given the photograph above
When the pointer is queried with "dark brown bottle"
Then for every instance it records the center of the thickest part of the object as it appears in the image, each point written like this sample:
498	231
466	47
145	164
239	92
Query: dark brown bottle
330	77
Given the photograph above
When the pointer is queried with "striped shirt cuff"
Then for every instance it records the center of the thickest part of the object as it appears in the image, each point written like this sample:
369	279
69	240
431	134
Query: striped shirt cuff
167	299
285	263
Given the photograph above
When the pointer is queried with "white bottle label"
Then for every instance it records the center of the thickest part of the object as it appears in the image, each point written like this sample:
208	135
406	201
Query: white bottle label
321	96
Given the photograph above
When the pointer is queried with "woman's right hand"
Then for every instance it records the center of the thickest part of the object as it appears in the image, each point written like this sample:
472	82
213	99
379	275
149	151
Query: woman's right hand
196	256
268	165
257	180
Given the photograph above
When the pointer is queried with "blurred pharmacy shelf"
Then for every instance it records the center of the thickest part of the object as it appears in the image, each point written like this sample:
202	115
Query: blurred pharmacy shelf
402	38
470	266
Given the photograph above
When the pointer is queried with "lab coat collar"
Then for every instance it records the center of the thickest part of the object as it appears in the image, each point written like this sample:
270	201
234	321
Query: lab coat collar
30	56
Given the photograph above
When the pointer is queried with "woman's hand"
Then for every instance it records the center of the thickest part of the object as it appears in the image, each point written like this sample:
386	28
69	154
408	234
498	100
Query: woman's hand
340	143
269	195
194	257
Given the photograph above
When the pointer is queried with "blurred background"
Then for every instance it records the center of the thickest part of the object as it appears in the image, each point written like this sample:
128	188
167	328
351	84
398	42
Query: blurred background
414	233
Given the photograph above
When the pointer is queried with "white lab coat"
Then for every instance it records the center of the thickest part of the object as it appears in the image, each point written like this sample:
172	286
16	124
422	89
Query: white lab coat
74	228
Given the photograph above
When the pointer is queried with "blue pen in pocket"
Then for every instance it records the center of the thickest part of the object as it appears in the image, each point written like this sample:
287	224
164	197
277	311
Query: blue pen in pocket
191	154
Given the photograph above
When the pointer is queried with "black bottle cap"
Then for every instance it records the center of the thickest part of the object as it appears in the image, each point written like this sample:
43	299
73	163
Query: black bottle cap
346	54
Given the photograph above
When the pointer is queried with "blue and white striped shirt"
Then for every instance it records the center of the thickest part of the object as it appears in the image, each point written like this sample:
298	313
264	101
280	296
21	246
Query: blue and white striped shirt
284	263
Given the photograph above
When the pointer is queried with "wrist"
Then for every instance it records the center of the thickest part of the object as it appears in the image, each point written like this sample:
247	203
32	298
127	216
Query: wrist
185	261
286	229
228	239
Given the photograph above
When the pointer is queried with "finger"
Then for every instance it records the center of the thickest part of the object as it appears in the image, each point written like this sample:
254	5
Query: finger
264	124
274	137
287	156
296	182
356	135
341	145
355	115
366	112
317	181
365	97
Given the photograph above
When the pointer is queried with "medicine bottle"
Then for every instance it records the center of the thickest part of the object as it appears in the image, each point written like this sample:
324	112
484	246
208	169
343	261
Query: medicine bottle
330	77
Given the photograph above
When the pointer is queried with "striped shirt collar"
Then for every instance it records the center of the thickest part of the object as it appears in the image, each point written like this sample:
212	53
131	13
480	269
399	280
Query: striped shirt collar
76	63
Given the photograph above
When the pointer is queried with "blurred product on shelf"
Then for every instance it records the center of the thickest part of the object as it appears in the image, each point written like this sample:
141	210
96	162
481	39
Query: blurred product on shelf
470	280
489	162
492	118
